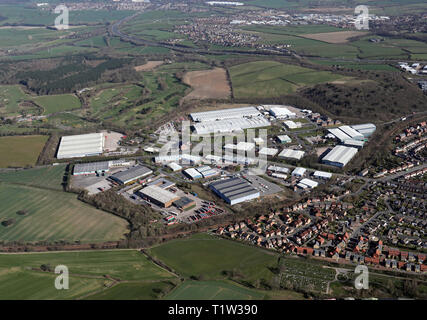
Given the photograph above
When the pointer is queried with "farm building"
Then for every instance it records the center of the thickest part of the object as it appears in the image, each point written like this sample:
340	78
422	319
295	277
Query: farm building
82	145
307	183
225	114
284	139
291	154
322	175
234	190
366	129
299	172
131	174
91	168
268	151
339	156
184	203
230	125
157	195
281	112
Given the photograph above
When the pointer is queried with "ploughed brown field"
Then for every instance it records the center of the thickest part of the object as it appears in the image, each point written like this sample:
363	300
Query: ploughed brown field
334	37
150	65
208	84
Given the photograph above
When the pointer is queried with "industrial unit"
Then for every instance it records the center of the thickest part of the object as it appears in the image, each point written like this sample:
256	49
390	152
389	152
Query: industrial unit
322	175
224	114
162	183
307	183
192	173
291	154
230	125
157	195
299	172
344	133
268	151
184	158
275	168
174	166
284	139
292	125
234	190
366	129
184	203
82	145
131	174
91	168
280	112
339	156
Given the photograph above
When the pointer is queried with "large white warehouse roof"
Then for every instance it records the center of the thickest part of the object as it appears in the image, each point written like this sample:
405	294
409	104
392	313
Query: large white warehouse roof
293	154
340	156
281	112
82	145
225	114
230	125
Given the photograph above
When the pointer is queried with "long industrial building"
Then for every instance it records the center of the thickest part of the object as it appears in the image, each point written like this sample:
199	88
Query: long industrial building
131	174
345	133
91	168
82	145
230	125
234	190
367	129
224	114
339	156
291	154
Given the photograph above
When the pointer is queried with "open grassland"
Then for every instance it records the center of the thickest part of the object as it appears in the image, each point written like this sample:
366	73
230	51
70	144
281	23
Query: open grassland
21	278
54	215
273	79
49	177
20	151
208	256
213	290
334	37
208	84
149	66
58	103
10	99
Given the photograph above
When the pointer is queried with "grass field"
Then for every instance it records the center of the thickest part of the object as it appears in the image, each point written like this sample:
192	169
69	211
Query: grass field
213	290
273	79
19	281
20	151
10	99
54	215
48	177
208	256
58	103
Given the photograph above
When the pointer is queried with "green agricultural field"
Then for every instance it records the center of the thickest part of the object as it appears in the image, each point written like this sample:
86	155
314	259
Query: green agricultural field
54	215
273	79
208	256
58	103
213	290
21	151
10	99
21	280
49	177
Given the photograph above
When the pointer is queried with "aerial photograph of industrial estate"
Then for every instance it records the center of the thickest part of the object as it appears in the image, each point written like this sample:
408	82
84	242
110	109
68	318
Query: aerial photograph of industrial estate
192	150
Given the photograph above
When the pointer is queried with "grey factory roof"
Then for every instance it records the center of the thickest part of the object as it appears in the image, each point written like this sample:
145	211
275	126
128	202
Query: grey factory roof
233	188
159	194
131	174
340	155
91	167
224	114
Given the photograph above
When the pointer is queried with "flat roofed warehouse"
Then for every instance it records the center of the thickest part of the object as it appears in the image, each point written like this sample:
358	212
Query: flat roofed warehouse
224	114
339	156
159	196
82	145
131	174
292	154
184	203
234	190
230	125
91	168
